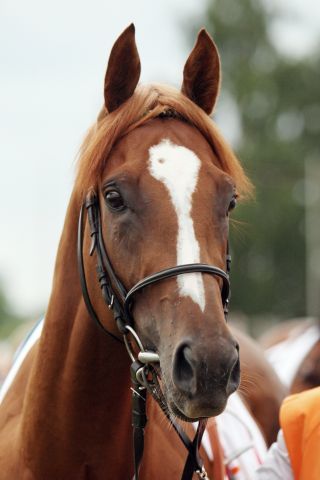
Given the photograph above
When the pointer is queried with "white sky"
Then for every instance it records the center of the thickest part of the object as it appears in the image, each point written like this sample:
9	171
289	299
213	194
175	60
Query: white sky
53	57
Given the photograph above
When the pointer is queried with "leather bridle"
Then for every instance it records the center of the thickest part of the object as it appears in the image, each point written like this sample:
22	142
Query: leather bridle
143	373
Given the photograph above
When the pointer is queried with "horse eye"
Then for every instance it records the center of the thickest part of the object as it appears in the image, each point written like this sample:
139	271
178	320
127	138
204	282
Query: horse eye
232	204
114	200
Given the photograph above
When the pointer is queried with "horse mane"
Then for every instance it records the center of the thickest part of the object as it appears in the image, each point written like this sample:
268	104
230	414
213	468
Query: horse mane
148	102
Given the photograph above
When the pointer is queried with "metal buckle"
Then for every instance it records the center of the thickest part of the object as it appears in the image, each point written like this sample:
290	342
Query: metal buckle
202	474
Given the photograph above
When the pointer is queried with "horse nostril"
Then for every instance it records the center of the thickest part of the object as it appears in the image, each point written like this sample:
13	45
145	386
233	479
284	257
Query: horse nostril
183	369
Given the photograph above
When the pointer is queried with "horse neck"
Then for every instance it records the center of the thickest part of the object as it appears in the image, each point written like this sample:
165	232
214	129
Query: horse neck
79	386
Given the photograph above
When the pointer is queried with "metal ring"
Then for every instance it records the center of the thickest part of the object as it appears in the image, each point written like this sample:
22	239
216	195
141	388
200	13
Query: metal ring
127	343
202	474
135	336
141	377
128	347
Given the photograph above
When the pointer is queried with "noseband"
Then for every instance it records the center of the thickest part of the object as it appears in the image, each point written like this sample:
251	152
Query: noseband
120	302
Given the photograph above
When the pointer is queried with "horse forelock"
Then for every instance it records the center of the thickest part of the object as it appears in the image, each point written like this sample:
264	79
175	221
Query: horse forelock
149	102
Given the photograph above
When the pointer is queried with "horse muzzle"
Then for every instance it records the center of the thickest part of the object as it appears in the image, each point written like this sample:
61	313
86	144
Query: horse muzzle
202	380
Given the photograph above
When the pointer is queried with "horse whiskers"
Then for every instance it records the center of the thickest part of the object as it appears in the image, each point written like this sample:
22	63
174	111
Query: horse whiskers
248	382
244	390
172	418
253	376
167	415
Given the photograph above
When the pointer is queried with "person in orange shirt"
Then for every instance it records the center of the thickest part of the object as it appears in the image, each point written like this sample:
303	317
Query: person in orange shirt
296	454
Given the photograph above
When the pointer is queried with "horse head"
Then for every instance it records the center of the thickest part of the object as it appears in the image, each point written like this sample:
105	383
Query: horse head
166	181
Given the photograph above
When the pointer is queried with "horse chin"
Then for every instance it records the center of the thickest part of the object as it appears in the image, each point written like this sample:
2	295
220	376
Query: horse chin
192	415
193	411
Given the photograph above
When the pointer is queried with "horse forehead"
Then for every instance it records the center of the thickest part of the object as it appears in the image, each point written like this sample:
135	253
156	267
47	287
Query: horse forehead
177	168
174	164
136	144
181	144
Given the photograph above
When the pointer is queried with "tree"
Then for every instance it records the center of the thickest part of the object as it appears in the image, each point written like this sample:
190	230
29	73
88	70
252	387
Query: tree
8	319
280	123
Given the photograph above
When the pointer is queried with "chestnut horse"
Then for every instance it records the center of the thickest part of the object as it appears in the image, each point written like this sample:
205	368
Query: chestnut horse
155	185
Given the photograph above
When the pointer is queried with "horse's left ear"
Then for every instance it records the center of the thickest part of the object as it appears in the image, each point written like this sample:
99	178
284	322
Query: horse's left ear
123	71
201	74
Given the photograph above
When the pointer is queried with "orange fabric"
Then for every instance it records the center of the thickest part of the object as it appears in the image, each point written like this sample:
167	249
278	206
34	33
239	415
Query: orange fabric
300	422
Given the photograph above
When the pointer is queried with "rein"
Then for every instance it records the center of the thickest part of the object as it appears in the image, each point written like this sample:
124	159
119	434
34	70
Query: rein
143	374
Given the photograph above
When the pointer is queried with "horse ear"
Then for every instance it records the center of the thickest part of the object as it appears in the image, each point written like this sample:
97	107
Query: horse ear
201	73
123	71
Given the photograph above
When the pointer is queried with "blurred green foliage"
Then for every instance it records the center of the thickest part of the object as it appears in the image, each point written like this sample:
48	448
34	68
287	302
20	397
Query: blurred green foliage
278	103
8	319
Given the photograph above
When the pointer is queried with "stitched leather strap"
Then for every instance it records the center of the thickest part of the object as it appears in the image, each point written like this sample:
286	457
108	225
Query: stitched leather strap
173	272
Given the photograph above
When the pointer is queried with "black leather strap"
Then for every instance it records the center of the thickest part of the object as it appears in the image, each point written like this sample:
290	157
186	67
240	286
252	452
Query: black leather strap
120	302
173	272
92	206
83	281
139	417
194	462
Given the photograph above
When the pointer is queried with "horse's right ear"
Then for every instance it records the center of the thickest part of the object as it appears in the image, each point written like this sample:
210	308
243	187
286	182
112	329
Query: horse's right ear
123	71
201	74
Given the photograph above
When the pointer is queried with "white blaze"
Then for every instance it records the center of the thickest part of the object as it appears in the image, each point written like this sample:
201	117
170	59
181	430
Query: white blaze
178	168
